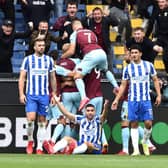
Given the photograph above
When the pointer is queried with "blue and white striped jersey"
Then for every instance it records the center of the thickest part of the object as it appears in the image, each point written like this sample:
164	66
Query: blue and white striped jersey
90	131
139	80
38	69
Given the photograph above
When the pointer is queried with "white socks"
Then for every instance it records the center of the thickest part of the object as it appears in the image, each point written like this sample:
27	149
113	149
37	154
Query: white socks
41	134
30	130
60	145
147	134
80	149
63	143
135	139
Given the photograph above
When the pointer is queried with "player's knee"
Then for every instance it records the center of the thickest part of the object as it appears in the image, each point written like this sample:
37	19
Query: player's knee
148	124
134	124
31	116
68	139
61	120
41	119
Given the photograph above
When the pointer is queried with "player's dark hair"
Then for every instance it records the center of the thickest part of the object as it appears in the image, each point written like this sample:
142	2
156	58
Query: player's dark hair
45	21
97	8
71	2
89	105
54	54
38	39
138	28
136	46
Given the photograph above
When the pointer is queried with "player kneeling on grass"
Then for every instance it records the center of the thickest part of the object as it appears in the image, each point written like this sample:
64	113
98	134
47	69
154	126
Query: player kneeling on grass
89	131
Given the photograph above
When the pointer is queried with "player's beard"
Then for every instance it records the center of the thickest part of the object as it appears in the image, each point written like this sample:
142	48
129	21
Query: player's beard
41	52
90	116
128	61
98	19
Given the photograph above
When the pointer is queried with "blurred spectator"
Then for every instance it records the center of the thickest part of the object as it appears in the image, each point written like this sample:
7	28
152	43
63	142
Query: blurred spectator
7	6
7	37
42	33
63	23
89	1
149	48
58	9
36	10
159	20
100	25
145	8
119	10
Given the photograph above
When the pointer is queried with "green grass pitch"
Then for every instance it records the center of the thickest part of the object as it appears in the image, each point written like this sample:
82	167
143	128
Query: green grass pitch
82	161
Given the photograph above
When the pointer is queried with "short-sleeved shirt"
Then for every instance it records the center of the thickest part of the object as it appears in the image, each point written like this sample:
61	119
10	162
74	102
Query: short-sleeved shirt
38	69
90	131
85	39
139	77
93	84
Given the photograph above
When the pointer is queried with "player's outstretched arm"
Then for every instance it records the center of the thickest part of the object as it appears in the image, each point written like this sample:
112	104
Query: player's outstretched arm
70	51
64	110
105	110
62	71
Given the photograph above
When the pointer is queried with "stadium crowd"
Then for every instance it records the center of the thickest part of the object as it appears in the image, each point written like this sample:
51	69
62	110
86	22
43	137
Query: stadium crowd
64	81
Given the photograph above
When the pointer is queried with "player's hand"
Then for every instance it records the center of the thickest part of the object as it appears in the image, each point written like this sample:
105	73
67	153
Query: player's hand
154	39
57	98
41	36
158	101
158	48
22	99
52	101
25	2
116	90
31	25
106	104
71	73
106	12
67	23
90	14
65	35
114	105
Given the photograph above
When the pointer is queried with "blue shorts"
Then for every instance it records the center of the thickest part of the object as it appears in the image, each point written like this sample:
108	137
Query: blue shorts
124	111
140	111
38	104
99	147
97	151
94	59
